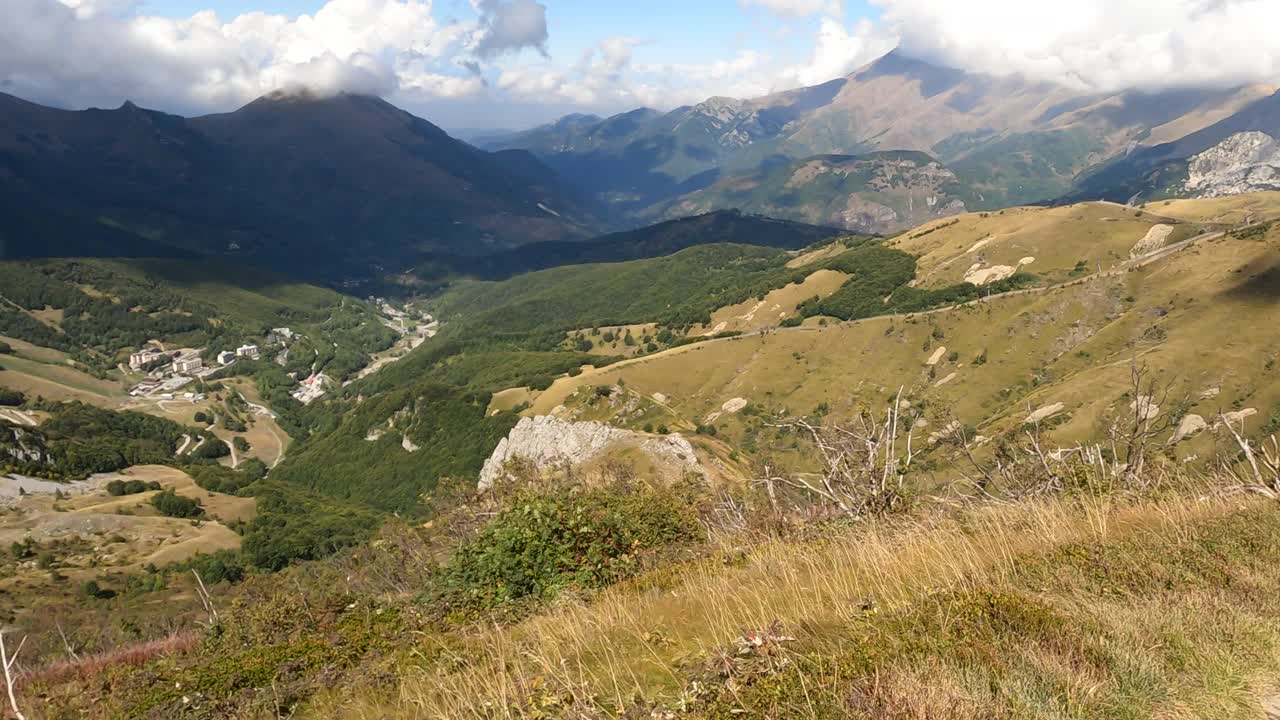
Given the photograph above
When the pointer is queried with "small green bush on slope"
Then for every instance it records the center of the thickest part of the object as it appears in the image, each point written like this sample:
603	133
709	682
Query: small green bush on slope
549	539
293	524
174	505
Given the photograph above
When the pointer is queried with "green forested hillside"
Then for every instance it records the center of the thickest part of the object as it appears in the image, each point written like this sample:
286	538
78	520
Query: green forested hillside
98	310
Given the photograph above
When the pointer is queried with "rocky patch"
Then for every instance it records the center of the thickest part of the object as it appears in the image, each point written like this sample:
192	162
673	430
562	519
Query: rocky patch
547	442
1244	162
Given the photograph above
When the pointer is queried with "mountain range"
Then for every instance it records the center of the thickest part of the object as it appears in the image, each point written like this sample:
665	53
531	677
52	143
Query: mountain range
349	187
985	142
314	185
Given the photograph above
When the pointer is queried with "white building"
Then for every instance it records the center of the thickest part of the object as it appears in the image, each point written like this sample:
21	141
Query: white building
143	357
249	351
225	357
279	335
188	364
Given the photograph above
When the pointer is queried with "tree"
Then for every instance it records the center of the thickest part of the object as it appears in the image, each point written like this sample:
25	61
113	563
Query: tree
172	504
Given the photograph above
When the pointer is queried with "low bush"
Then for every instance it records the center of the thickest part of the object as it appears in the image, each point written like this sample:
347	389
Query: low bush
117	488
174	505
555	538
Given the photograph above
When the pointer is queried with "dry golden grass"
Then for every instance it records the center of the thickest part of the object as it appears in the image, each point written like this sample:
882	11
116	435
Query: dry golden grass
776	306
1231	209
808	258
56	381
1099	234
1193	315
634	638
511	398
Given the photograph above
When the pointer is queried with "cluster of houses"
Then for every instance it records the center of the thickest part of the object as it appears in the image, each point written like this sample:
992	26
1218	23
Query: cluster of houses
169	370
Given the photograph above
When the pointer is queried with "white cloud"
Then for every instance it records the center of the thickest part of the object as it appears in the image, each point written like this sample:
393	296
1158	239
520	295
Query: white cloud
82	52
510	25
100	52
797	8
837	52
1098	44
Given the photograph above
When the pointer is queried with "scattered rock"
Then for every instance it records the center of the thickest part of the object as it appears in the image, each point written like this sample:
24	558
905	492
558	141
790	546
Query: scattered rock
946	380
1238	417
1045	413
1189	426
945	432
374	435
1211	393
1145	408
659	397
936	356
733	406
977	275
407	444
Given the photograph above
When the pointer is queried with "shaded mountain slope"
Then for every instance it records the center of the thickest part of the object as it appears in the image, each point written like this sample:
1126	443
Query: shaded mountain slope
665	238
348	182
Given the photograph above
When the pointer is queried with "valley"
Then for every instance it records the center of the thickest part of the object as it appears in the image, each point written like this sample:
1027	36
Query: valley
891	389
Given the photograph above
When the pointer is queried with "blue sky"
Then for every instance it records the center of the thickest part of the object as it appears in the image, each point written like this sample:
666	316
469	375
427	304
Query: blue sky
600	56
684	31
513	63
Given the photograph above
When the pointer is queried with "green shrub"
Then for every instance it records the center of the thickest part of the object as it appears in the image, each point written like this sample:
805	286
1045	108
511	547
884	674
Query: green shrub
211	449
174	505
92	589
117	488
11	398
221	566
294	524
556	538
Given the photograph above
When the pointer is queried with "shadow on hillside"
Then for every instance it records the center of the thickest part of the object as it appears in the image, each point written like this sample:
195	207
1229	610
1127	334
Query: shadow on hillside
219	271
1257	285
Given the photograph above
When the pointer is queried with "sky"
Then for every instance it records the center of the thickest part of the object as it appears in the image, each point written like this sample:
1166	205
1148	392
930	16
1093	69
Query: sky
507	64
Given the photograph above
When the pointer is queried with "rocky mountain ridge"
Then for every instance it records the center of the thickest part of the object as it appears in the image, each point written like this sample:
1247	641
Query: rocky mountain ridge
1012	140
1244	162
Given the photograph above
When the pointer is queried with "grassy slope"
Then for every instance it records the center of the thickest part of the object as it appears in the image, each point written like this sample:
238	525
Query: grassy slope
1099	234
1089	608
1194	316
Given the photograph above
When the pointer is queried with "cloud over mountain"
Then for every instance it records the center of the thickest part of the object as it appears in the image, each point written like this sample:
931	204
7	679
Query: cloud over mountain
81	52
1097	44
98	52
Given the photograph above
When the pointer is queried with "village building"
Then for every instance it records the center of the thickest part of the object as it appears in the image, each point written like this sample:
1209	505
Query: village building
144	357
225	357
188	364
247	351
278	336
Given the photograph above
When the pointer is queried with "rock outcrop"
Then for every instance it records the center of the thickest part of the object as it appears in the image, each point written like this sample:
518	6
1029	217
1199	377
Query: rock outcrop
1155	239
1244	162
548	441
24	446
